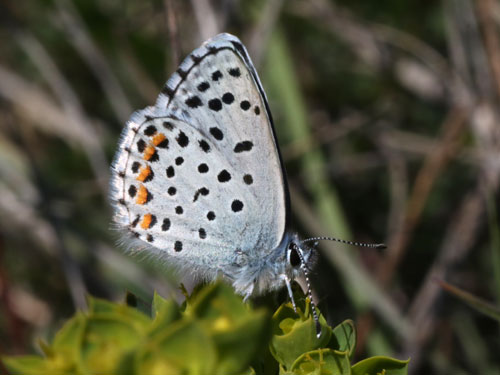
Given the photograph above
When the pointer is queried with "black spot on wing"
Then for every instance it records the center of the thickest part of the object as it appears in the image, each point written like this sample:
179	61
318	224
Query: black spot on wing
204	86
204	145
152	222
224	176
216	75
165	225
194	102
215	105
217	133
163	144
182	139
178	246
237	205
228	98
243	146
203	168
245	105
141	145
235	72
203	191
150	130
136	221
248	179
168	125
132	191
135	166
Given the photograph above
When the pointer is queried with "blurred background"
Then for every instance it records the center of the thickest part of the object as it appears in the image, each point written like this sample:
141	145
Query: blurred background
387	114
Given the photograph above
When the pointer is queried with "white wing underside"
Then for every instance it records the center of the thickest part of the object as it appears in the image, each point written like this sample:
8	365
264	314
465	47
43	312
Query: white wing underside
231	214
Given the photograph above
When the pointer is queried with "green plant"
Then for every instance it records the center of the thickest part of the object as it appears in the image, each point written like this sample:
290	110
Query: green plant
214	332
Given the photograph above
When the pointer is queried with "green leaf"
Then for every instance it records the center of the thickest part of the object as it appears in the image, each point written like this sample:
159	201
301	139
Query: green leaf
295	333
159	304
183	348
344	337
98	305
135	317
218	306
239	333
71	334
165	312
107	338
380	366
240	344
249	371
322	362
66	346
33	365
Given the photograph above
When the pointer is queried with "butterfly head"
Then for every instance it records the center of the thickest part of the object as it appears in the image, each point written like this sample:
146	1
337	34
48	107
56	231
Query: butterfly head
298	257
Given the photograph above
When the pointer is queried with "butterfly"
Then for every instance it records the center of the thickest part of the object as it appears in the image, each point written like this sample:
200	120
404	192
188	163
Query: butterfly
198	179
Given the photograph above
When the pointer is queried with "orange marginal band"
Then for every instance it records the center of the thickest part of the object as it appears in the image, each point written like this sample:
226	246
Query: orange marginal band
144	173
142	195
149	152
158	138
146	221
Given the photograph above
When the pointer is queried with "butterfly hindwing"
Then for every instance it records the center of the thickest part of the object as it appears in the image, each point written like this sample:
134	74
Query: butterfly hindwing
199	176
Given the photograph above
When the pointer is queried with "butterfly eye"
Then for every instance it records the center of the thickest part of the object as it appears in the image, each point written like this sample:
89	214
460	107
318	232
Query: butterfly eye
294	257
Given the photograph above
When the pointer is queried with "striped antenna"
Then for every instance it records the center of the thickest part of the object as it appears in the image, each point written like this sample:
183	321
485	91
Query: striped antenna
361	244
309	292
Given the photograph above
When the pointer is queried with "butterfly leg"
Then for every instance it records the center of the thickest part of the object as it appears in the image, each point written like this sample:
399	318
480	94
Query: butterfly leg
290	293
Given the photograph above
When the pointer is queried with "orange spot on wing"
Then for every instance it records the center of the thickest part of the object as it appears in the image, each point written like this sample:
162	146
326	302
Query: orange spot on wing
146	221
158	138
142	195
144	173
149	152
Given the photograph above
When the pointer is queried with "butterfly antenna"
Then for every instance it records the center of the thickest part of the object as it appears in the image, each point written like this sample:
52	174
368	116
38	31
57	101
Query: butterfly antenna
309	293
361	244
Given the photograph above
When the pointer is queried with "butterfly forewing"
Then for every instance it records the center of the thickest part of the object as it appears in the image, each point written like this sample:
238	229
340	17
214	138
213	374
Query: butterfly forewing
198	176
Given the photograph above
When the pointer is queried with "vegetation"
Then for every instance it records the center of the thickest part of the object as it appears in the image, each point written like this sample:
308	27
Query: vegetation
214	332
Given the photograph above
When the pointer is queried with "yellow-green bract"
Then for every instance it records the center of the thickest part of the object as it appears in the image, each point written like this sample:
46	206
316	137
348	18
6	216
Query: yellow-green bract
214	332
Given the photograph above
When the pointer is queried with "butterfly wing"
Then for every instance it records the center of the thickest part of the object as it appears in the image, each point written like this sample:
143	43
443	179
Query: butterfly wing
198	177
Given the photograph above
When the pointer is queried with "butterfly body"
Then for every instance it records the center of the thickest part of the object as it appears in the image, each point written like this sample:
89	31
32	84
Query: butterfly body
198	179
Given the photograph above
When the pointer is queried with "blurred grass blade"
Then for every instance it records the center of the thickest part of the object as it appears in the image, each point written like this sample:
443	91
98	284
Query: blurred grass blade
476	303
281	75
359	286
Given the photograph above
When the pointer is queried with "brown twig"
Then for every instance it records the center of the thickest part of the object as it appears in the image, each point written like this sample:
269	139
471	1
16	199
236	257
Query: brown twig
459	238
453	128
491	41
435	163
206	19
172	32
